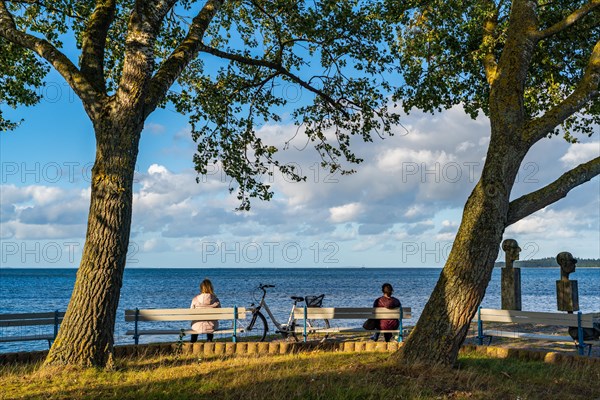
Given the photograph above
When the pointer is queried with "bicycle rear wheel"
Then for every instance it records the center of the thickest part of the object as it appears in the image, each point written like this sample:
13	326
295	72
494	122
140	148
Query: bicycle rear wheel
314	329
253	329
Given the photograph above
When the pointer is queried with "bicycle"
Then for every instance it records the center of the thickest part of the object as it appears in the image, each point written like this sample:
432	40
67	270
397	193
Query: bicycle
256	329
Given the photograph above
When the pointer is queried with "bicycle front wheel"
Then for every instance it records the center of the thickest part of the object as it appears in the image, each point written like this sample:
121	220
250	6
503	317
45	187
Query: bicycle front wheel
253	329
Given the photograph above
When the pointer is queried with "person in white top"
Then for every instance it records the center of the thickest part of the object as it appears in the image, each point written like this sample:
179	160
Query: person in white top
206	299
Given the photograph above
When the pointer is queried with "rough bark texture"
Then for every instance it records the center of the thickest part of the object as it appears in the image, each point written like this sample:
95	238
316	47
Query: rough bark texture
446	318
444	323
86	334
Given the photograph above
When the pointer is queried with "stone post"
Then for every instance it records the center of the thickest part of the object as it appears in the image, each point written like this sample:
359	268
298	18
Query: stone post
511	289
567	294
511	277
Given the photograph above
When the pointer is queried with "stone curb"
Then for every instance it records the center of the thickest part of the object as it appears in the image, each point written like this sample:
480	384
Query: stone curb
202	349
550	357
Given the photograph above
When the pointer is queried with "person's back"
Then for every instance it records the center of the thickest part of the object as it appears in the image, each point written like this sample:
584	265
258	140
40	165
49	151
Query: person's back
206	299
387	301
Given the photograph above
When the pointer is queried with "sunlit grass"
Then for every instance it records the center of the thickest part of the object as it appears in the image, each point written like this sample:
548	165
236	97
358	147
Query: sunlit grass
312	375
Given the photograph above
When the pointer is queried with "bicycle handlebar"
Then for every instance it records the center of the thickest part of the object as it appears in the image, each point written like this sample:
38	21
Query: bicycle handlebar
261	286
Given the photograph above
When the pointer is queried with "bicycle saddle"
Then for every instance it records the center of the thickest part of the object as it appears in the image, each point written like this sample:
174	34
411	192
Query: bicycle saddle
297	298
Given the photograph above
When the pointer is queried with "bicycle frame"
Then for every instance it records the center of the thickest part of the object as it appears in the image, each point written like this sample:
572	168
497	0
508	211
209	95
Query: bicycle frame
263	304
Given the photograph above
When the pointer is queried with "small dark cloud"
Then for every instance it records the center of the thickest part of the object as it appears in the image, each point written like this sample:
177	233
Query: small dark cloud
452	228
56	214
208	222
373	229
7	212
417	229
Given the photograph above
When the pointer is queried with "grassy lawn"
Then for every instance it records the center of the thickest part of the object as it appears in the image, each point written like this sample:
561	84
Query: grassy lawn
313	375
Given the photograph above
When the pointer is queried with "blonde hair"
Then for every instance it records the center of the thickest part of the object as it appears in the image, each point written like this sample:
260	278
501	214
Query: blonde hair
207	287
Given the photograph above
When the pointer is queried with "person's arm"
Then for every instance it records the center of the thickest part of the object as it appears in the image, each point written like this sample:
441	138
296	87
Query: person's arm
375	303
215	302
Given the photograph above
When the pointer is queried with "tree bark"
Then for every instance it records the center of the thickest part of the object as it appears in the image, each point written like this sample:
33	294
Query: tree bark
86	336
444	323
446	318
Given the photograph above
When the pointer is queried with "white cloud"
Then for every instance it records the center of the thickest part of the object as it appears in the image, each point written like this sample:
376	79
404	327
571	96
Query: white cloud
345	213
563	224
579	153
410	188
415	211
154	128
155	245
464	146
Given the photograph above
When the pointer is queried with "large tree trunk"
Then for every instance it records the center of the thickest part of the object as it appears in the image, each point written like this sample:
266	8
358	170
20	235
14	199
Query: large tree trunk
86	336
445	320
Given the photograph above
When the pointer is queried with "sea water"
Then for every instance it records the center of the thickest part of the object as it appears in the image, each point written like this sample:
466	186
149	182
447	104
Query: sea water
44	290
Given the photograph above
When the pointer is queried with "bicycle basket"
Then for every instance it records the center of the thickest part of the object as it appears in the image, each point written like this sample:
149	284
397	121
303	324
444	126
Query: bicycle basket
314	301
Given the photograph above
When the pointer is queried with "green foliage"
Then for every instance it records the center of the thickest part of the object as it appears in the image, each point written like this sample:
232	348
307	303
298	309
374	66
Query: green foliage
254	51
438	46
319	48
20	74
441	47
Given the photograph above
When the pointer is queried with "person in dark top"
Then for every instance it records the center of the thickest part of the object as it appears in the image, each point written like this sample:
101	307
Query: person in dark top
387	301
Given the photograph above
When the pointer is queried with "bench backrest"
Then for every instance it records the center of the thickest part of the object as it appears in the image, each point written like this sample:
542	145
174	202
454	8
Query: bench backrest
31	319
352	313
534	317
185	314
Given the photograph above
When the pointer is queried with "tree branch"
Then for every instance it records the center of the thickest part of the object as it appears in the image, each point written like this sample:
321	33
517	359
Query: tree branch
138	63
490	63
570	20
181	57
586	90
274	66
507	93
78	82
94	43
532	202
48	7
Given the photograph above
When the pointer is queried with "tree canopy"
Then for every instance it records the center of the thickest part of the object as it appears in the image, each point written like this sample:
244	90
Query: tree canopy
533	67
220	63
449	50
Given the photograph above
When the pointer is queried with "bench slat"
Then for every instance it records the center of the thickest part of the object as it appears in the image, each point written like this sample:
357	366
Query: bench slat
176	332
28	322
529	317
196	317
29	316
300	330
351	313
183	311
4	339
185	314
527	335
355	309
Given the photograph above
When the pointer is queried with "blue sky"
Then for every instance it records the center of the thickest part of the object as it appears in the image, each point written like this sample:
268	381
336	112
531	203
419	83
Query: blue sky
401	208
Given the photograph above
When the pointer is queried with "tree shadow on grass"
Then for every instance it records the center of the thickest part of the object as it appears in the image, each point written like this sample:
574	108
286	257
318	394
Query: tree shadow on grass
342	376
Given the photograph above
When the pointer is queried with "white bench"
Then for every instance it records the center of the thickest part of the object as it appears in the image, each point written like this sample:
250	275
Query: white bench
22	324
183	314
302	314
578	320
